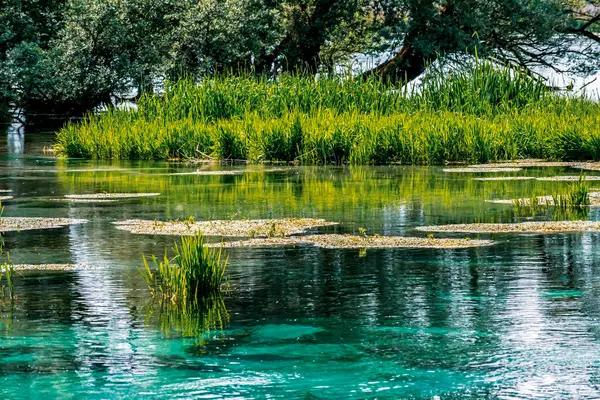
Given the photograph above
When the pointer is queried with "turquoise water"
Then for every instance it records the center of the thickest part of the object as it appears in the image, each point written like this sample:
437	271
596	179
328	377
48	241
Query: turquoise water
520	319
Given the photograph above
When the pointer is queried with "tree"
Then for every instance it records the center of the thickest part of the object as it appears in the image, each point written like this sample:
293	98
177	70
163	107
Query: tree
527	33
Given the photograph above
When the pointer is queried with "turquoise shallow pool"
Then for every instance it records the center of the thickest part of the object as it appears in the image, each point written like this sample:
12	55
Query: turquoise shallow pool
520	319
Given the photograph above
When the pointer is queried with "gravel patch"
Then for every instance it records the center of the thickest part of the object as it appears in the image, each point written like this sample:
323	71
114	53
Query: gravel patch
51	267
234	228
545	227
97	196
530	163
569	178
506	178
473	170
378	242
335	241
24	224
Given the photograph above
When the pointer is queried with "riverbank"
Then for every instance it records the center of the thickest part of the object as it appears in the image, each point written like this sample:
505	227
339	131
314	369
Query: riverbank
482	115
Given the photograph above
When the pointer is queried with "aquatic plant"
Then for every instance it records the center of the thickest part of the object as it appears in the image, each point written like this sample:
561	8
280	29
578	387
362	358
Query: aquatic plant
194	271
477	115
6	273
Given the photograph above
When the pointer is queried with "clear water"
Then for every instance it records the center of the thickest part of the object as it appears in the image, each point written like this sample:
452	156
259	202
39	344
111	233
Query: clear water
520	319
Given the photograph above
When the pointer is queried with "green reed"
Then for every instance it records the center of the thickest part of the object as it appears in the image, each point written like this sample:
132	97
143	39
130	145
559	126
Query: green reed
195	270
478	114
576	196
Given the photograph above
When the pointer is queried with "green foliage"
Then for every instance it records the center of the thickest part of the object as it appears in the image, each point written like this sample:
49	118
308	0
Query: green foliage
195	271
478	115
70	56
576	196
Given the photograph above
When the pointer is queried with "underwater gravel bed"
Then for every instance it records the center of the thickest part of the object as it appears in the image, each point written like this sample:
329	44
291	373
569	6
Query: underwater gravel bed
235	228
522	227
23	224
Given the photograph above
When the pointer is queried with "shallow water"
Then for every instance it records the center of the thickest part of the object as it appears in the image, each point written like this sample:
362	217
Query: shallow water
520	319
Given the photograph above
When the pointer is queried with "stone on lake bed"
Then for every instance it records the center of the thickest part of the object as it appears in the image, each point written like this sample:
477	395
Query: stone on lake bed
545	227
97	196
481	170
32	223
235	228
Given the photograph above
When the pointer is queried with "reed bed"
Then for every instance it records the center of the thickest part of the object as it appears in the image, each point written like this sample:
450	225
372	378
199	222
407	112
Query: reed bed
478	115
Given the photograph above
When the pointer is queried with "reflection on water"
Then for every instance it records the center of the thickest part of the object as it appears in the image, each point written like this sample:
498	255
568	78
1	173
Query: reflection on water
16	139
518	319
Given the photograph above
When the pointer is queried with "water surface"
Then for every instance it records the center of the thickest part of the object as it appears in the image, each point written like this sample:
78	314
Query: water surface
520	319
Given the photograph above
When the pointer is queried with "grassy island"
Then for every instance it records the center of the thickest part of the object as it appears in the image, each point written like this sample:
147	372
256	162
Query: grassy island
481	115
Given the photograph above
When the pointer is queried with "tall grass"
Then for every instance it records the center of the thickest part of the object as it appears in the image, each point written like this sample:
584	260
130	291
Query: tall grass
195	271
479	114
576	196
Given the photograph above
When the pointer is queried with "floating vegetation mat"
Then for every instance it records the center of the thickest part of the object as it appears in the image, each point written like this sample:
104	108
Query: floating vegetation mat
24	224
522	227
530	163
481	169
334	241
506	178
236	228
51	267
545	200
97	196
569	178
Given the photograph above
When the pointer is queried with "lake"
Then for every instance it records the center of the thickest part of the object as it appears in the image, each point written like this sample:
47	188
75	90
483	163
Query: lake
519	319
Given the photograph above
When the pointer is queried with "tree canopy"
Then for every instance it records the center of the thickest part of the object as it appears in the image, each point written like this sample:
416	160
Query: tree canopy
68	56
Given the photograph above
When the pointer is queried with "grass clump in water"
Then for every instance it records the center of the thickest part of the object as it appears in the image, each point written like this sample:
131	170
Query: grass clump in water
195	271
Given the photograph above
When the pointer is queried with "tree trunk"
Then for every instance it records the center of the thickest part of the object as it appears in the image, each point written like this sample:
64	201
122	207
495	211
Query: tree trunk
405	66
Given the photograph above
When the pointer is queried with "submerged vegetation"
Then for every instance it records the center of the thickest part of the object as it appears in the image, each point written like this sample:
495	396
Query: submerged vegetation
479	114
195	271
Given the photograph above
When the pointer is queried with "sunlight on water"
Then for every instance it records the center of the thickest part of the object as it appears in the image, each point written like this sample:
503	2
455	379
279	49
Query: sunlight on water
519	319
